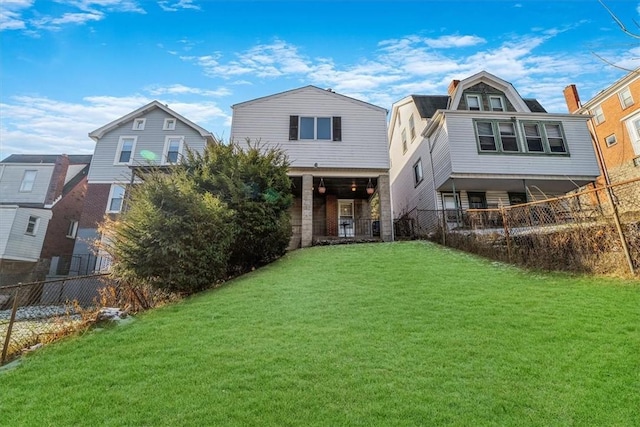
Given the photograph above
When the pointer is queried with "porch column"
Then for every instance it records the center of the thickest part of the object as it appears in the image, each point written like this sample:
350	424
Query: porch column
307	211
386	222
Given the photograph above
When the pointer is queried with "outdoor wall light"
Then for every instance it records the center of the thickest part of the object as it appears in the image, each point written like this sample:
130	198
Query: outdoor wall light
353	187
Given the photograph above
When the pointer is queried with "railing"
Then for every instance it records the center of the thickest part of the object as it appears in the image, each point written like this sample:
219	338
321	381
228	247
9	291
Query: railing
346	228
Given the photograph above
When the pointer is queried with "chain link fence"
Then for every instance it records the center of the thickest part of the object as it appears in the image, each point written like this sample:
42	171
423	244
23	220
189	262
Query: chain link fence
595	230
40	312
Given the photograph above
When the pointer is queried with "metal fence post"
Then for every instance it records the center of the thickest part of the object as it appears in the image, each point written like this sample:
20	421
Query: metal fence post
5	347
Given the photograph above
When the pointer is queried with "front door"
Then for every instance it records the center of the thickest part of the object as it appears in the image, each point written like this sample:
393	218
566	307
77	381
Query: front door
451	205
345	218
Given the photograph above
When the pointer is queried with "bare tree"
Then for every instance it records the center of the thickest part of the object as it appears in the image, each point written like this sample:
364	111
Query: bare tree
635	35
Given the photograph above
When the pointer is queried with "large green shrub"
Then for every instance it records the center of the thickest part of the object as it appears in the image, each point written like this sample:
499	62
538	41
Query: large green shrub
171	235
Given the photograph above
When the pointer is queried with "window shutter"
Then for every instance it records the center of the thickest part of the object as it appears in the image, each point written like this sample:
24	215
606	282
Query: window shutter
293	128
337	128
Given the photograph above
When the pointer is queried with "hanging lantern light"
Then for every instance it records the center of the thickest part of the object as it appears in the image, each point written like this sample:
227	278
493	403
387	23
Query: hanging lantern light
370	188
353	187
321	188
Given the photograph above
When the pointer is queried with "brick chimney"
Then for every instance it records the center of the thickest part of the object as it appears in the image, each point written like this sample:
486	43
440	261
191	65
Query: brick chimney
452	87
572	98
57	178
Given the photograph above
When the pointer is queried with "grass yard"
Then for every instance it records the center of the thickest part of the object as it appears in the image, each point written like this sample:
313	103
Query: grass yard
378	334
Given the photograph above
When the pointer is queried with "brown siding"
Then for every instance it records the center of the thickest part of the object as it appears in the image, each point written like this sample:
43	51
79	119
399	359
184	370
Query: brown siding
332	215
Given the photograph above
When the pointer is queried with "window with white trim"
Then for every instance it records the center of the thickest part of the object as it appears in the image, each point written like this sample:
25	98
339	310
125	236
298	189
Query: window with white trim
126	147
626	100
508	136
138	124
73	229
116	197
503	137
474	103
404	140
496	103
533	137
598	114
172	149
412	128
315	128
555	138
28	179
486	136
544	137
169	124
610	140
32	225
417	172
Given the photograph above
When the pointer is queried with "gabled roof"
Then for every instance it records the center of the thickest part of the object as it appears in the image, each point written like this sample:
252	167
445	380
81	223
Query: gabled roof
328	92
534	105
99	133
74	159
428	104
494	81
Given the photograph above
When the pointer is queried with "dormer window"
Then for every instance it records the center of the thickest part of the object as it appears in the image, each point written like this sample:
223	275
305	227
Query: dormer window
473	102
28	179
169	124
496	103
138	124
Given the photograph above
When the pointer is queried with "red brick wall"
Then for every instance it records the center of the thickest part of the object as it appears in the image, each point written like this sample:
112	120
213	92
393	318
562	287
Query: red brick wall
57	179
56	242
95	205
332	215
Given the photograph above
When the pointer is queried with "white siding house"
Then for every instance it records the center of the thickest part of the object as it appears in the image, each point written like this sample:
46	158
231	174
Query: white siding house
484	145
337	148
151	135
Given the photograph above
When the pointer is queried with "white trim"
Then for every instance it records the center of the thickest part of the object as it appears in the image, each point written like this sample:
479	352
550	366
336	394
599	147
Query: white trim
502	103
116	160
478	99
613	138
138	124
342	231
315	128
165	151
73	227
169	123
36	224
27	186
634	132
622	98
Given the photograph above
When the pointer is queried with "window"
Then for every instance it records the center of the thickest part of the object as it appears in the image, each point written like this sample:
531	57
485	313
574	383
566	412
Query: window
555	137
28	179
412	128
486	138
598	115
477	200
32	225
73	229
610	140
625	98
324	128
496	103
169	124
473	102
517	198
417	172
508	136
533	137
124	155
172	149
138	124
116	196
404	141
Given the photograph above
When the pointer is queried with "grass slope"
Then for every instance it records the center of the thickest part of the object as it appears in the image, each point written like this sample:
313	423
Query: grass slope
383	334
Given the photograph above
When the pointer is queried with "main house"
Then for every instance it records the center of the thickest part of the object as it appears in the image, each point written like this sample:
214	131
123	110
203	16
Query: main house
479	146
41	199
337	148
151	135
615	122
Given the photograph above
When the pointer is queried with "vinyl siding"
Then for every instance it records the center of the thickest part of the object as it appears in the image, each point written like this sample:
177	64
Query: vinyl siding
398	158
152	139
21	246
364	129
12	178
465	158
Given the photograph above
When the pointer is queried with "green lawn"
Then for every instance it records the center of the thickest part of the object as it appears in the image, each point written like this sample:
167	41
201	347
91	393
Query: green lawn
378	334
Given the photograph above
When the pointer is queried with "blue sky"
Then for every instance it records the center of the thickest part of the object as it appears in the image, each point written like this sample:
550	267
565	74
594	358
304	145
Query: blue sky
70	66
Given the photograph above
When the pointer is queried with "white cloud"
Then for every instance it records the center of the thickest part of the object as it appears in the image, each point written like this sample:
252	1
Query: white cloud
169	6
11	14
51	23
178	89
454	41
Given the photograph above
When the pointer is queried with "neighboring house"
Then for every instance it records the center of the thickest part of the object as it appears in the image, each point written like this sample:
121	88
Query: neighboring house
480	146
41	199
615	123
151	135
337	148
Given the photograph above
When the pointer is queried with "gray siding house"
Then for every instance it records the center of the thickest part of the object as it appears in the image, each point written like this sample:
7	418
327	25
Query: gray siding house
151	135
337	147
483	145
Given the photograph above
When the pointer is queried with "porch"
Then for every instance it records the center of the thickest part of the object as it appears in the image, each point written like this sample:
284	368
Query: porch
334	209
